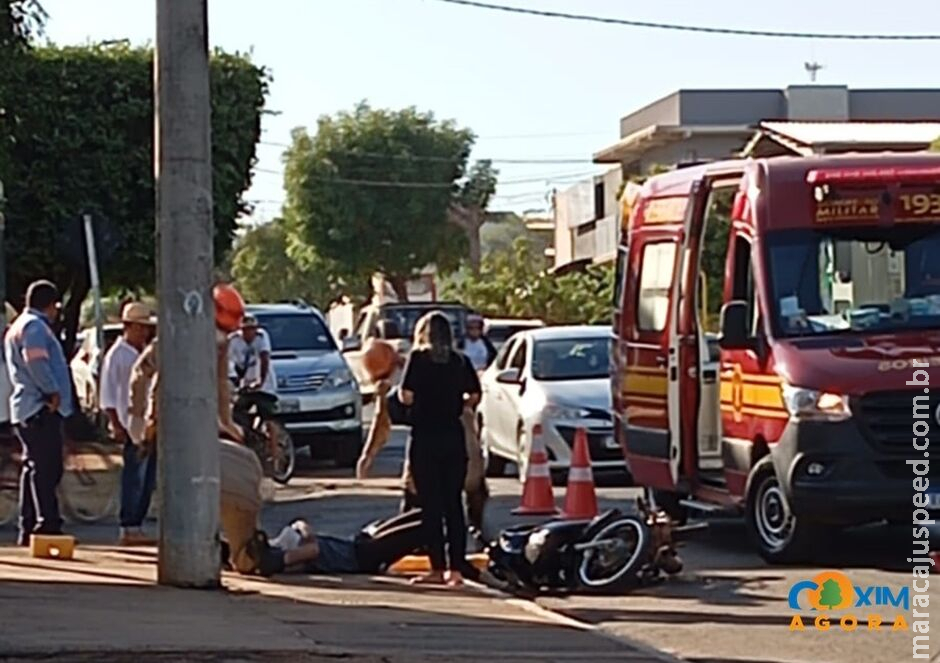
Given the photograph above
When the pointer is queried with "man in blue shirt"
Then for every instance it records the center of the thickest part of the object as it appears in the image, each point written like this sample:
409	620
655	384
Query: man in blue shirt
41	400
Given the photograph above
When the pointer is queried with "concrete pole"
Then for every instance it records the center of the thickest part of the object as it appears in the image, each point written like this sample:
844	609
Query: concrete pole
188	448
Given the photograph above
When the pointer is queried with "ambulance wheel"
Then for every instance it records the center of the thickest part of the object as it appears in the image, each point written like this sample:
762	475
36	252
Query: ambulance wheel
780	536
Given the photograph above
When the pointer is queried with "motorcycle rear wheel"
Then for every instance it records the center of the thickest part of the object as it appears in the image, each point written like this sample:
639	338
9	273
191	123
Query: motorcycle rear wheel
616	565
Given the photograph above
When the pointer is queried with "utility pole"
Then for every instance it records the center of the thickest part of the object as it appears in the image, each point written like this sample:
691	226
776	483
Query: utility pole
188	448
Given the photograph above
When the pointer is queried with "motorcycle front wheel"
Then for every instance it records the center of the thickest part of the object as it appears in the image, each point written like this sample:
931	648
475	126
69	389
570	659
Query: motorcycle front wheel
282	466
613	558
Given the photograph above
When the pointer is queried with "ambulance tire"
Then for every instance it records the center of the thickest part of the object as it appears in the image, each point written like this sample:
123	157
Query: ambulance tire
779	535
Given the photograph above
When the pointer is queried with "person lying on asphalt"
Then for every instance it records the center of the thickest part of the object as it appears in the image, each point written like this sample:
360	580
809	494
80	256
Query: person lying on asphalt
373	550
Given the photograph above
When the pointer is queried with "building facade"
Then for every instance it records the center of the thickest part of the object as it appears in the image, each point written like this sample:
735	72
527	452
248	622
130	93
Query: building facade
694	126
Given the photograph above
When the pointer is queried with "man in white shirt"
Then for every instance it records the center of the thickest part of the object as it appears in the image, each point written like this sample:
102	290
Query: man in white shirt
249	352
138	476
477	347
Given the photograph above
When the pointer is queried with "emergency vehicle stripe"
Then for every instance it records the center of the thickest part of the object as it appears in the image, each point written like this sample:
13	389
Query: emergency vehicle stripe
646	369
646	384
648	400
754	377
580	474
757	412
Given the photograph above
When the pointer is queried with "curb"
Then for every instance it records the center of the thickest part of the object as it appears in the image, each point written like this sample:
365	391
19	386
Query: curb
533	607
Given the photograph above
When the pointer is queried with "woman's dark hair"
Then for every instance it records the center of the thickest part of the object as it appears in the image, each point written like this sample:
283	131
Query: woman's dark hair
440	337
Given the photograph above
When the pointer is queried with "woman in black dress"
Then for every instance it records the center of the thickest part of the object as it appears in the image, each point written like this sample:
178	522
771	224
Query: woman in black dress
439	382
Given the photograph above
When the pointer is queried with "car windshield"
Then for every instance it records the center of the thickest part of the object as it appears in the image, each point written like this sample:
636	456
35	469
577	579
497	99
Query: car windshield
403	319
296	333
855	280
571	359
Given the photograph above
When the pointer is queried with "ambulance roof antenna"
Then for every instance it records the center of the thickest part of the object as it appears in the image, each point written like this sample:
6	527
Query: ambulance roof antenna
813	69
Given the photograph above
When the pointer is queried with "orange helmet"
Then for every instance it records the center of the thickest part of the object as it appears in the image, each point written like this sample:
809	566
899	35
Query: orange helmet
229	307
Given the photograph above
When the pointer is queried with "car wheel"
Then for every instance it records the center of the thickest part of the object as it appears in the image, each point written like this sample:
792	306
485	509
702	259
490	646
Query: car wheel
780	536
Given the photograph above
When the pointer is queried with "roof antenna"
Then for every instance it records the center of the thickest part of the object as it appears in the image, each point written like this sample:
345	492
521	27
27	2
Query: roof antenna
813	68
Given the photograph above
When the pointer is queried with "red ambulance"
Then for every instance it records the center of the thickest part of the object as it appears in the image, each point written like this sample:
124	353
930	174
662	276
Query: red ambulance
769	314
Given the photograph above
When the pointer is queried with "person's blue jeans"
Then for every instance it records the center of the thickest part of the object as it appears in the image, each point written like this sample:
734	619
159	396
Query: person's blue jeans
138	480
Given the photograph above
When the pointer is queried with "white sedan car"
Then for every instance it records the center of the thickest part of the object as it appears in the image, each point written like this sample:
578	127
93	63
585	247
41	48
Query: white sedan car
557	377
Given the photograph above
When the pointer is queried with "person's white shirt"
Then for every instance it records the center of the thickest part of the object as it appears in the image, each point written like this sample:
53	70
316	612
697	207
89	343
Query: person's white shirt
116	379
247	358
477	353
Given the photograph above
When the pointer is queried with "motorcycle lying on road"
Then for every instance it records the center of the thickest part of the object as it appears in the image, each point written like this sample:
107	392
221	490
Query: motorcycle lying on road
612	553
257	426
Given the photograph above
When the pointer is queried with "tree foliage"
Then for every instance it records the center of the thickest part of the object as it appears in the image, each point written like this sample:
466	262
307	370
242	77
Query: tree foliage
515	284
372	190
81	141
268	266
468	210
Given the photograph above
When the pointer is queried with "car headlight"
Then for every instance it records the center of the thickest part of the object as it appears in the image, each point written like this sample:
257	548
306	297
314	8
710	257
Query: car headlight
811	404
341	377
564	412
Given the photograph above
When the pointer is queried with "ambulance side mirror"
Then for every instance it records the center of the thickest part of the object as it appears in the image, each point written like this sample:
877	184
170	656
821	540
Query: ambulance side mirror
734	327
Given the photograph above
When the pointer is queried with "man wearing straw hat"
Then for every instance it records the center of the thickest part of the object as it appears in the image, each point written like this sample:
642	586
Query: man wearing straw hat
139	474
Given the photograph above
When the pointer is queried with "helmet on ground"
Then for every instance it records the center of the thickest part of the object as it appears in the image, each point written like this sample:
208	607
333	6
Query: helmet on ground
379	359
229	307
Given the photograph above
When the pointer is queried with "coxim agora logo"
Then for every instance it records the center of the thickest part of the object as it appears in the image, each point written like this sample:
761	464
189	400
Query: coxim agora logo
870	607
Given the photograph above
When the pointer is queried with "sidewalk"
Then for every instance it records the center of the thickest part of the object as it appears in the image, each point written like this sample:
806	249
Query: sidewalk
103	606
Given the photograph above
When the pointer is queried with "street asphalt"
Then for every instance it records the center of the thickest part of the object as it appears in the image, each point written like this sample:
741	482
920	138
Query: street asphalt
727	605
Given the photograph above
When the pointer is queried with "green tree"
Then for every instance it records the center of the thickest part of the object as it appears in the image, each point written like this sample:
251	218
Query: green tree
831	594
468	210
82	142
516	284
372	190
268	266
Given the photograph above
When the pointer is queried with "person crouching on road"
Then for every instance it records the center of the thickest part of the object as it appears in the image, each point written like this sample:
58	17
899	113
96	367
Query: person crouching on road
138	476
240	470
41	400
437	384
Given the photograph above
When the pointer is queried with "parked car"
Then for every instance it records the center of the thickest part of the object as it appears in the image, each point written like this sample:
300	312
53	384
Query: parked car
556	377
395	323
500	330
318	395
86	364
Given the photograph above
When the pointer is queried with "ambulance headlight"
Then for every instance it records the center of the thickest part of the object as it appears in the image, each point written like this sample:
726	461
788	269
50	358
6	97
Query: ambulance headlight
814	405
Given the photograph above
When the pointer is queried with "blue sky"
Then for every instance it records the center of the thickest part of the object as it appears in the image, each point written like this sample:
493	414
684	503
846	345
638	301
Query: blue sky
529	87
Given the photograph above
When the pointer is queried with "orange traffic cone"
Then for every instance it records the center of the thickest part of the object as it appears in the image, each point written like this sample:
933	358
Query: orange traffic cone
580	500
537	496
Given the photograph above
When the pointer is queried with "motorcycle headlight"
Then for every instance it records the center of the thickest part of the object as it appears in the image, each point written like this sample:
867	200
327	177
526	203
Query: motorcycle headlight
533	547
341	377
814	405
562	412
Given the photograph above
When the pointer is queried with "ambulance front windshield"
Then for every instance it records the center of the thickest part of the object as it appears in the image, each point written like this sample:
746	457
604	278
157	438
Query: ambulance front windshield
868	280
